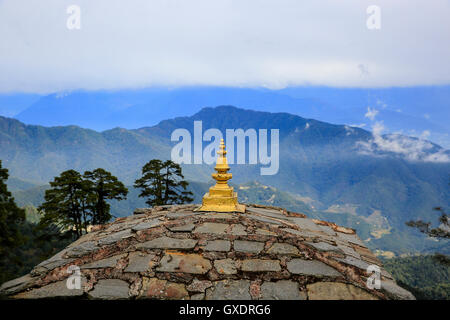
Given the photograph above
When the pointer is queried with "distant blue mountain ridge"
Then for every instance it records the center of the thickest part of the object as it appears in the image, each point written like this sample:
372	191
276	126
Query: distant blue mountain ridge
412	111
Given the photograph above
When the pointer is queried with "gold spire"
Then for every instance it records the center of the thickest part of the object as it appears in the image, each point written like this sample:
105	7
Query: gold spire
221	197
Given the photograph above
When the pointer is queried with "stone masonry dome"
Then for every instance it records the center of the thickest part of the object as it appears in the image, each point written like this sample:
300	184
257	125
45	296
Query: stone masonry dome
175	252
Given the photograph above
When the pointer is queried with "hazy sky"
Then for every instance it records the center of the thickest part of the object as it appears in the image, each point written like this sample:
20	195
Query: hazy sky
276	43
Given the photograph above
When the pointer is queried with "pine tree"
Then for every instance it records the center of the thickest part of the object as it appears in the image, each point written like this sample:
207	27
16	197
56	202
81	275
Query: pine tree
11	217
67	203
163	183
104	186
440	232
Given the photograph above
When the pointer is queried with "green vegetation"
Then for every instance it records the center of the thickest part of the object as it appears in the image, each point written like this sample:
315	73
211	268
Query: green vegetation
74	201
11	217
163	183
425	277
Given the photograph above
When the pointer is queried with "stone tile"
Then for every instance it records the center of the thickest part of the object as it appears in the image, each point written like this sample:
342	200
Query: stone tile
199	285
304	234
17	285
269	213
153	288
265	232
352	238
104	263
54	262
225	266
327	230
281	290
187	263
198	296
147	225
260	265
115	237
248	246
337	291
238	230
212	227
263	219
176	215
168	243
218	245
53	290
140	262
306	224
82	249
229	290
311	267
283	249
184	228
218	215
348	250
110	289
354	262
324	246
396	292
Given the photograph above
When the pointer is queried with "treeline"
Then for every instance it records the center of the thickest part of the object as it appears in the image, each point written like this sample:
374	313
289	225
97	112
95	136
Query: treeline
424	276
74	202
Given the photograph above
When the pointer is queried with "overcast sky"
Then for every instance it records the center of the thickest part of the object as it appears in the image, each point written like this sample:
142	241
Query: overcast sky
276	43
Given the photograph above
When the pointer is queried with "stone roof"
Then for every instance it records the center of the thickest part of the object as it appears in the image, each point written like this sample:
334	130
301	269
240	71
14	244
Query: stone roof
175	252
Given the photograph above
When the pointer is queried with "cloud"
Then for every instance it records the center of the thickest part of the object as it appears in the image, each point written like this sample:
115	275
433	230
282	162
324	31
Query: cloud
412	149
139	43
371	113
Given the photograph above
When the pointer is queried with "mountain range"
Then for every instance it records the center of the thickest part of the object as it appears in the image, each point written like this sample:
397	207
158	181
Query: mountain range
338	172
411	110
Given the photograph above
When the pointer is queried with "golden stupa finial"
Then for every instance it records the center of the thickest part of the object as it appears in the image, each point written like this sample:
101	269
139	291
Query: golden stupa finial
221	197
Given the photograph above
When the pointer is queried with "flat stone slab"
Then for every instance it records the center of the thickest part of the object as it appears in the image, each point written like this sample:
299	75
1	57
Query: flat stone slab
154	288
311	267
82	249
225	266
307	224
337	291
218	215
229	290
147	225
265	232
260	265
304	233
281	290
176	215
212	227
104	263
187	263
269	213
283	249
218	245
115	237
220	228
53	290
248	246
352	261
17	284
110	289
324	246
199	285
352	238
184	228
168	243
263	219
395	291
140	262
